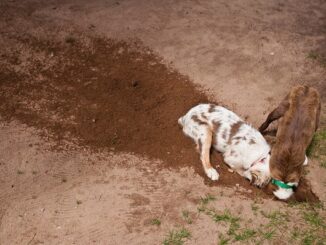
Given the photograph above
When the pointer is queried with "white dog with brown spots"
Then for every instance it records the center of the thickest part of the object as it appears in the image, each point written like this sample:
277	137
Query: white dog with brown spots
244	149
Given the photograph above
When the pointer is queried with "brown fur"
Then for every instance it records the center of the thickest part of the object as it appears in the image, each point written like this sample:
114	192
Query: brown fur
299	119
211	108
234	129
216	127
252	141
197	120
204	116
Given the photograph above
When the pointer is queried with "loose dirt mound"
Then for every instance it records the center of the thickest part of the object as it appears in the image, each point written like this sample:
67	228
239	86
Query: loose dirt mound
103	94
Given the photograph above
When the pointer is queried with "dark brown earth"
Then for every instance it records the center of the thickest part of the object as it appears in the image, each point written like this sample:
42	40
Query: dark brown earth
100	186
105	94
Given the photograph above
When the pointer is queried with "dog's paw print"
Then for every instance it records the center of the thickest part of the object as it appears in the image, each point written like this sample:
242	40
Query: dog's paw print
212	174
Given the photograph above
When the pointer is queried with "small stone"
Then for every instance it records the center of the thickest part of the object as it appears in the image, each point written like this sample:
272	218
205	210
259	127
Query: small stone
94	120
237	185
249	191
230	170
135	83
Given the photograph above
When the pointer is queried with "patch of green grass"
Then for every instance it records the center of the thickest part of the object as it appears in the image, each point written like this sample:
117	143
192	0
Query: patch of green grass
267	235
308	239
201	208
204	201
317	146
156	222
254	208
208	198
186	216
314	55
245	235
323	163
295	234
177	237
226	217
223	240
306	206
276	218
313	218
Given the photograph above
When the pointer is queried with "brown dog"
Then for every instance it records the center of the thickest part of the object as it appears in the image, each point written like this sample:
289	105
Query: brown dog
299	118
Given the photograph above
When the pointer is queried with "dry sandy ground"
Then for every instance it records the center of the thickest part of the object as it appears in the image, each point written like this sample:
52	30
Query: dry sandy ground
246	54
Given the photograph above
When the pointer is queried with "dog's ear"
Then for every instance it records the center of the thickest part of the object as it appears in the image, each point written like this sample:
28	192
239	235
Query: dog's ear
276	114
304	193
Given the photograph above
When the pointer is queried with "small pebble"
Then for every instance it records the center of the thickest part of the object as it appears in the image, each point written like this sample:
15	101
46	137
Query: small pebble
135	83
231	171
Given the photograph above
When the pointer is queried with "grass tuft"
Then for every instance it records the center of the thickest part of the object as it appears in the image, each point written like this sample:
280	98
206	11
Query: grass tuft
223	240
268	234
208	198
314	55
245	235
276	218
186	216
177	237
156	222
313	218
317	146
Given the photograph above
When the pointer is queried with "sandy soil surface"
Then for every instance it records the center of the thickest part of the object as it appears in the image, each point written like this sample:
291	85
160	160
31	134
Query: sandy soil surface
90	94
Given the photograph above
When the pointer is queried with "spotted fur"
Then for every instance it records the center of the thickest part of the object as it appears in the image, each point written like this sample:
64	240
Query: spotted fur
244	148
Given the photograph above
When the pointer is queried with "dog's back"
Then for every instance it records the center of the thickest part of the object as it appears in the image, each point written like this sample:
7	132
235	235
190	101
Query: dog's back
295	132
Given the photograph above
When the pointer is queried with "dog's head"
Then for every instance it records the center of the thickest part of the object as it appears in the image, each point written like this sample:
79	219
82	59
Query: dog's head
259	173
288	183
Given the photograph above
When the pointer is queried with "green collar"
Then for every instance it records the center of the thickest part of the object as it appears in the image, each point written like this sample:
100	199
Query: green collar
282	184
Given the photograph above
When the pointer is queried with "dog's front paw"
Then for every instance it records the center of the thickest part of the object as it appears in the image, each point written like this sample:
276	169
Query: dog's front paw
212	173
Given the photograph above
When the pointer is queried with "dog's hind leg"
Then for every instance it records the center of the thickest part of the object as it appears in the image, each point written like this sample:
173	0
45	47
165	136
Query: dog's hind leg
275	114
204	146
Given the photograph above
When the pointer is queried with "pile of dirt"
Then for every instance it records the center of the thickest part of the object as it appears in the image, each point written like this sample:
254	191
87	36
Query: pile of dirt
104	94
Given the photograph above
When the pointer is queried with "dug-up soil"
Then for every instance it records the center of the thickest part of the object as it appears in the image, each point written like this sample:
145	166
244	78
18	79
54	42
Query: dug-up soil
104	94
90	94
